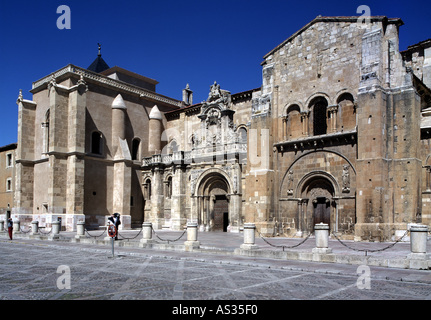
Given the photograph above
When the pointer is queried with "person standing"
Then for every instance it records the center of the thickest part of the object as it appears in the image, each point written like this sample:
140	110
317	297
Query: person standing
115	220
10	227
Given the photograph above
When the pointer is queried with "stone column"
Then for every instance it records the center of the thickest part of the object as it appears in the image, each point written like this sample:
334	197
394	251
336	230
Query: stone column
332	110
234	212
80	230
304	118
285	128
192	236
302	208
206	209
34	227
428	180
199	206
121	192
16	226
157	198
178	199
56	227
249	237
147	234
55	231
321	232
418	241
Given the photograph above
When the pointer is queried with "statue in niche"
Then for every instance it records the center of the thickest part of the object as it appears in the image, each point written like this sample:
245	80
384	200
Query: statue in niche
290	183
346	179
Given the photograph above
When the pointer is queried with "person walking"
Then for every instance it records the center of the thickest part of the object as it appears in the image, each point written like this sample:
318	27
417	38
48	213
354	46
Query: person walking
10	227
115	220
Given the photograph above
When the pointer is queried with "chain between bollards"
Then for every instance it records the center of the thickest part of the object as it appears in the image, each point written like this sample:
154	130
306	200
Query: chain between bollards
94	236
168	240
283	246
370	250
125	238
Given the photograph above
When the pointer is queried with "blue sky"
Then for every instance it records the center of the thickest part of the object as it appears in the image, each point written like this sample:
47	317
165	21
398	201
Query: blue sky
175	42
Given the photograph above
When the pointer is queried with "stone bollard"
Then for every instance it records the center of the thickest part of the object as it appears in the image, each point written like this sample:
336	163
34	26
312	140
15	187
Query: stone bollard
55	230
418	241
321	232
147	234
1	225
249	237
80	230
55	227
192	236
16	226
34	227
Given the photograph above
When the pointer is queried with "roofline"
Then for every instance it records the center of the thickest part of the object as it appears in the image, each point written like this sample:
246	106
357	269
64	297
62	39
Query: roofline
120	86
8	147
198	105
129	73
333	19
422	44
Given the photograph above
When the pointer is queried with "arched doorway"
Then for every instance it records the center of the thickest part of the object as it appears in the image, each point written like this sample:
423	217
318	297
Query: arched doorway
320	207
213	195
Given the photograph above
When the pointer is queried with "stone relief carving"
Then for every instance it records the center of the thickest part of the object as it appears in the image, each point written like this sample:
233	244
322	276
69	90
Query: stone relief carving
346	179
261	105
290	183
215	92
193	179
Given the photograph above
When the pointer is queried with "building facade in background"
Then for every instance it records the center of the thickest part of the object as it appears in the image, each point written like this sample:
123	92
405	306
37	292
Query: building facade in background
339	132
7	179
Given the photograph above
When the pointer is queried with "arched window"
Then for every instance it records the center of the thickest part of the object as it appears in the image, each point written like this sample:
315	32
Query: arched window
319	106
136	149
345	96
242	135
96	143
292	124
173	147
147	189
347	111
168	190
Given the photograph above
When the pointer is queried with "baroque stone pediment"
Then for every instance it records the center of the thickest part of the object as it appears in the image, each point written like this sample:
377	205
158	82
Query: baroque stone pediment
217	99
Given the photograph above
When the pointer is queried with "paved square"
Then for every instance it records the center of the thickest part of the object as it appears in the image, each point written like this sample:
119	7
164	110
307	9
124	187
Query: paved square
29	271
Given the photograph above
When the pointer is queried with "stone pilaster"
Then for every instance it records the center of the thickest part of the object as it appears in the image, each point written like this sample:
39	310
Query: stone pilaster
24	179
75	160
157	199
122	191
178	199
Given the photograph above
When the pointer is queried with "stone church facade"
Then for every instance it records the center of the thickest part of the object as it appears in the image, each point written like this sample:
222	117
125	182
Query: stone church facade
339	132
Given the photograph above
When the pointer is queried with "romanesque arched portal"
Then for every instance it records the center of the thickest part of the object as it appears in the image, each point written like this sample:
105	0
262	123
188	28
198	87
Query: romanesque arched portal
213	199
216	203
317	190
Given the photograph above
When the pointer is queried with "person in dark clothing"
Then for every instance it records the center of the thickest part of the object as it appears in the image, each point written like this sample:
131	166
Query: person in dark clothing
115	220
10	227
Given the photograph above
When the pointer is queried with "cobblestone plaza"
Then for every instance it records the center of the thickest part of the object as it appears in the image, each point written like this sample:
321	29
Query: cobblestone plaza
34	270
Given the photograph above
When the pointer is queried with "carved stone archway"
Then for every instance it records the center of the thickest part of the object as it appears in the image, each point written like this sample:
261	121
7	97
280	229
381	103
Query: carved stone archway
316	191
213	194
